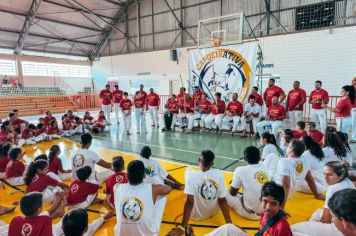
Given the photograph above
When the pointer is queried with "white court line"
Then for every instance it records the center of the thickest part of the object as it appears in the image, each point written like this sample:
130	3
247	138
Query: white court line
176	149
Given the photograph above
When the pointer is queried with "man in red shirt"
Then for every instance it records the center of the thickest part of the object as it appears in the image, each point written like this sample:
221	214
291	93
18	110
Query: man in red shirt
170	115
200	112
126	105
117	97
276	113
233	113
295	102
48	118
314	133
258	97
140	115
17	121
186	110
353	115
143	93
217	113
181	95
106	97
153	102
318	97
197	96
272	91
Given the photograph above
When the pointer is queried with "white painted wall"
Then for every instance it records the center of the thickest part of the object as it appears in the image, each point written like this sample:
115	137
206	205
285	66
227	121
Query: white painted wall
326	55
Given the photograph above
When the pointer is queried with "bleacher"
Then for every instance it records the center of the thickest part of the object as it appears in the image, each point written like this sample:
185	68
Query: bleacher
31	91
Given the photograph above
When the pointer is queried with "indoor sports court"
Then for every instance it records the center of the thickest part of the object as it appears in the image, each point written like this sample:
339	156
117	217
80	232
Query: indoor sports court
177	117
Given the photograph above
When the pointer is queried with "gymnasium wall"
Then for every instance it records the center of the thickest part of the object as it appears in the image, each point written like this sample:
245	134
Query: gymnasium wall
326	55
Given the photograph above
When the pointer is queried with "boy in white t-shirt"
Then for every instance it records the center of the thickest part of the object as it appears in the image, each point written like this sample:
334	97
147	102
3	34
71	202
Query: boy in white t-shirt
85	157
251	178
206	192
292	171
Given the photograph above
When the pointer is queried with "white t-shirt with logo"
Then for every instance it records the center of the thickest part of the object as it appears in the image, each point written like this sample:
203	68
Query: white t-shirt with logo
330	155
84	157
271	163
253	109
251	178
135	211
316	167
296	169
346	183
206	187
155	174
268	149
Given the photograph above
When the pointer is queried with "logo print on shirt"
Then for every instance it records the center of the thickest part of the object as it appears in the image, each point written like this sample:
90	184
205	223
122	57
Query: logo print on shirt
35	178
261	177
150	171
209	190
74	188
78	160
119	179
299	167
26	229
132	209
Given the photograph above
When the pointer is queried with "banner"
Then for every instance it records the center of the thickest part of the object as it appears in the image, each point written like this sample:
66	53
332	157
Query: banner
226	70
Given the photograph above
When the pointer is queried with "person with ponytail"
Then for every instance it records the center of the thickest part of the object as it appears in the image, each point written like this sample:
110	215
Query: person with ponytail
344	137
320	223
315	156
343	108
334	148
270	145
6	134
37	180
4	158
15	168
55	165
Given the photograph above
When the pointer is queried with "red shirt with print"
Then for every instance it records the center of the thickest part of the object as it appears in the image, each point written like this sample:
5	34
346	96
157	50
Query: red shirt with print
280	228
14	169
106	96
118	95
27	133
118	178
40	225
205	106
188	106
276	111
345	106
294	97
152	99
48	120
79	191
17	123
270	92
218	107
143	95
173	106
55	166
321	96
317	136
40	182
125	104
139	102
235	107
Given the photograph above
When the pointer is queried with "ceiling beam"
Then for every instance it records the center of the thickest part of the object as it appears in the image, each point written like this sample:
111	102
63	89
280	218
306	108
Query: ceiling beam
31	14
53	21
74	8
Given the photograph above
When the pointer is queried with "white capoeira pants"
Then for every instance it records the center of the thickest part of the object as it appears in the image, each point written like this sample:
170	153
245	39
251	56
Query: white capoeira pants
107	111
276	125
154	114
60	177
294	118
320	187
117	110
181	116
236	203
101	177
319	116
254	120
126	117
217	119
235	119
227	230
192	118
92	227
314	227
140	120
4	228
343	124
68	133
84	205
353	115
49	193
31	140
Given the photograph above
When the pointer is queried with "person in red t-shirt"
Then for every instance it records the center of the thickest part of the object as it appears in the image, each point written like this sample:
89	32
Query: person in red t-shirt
22	123
181	95
258	97
33	222
6	133
88	120
100	123
15	168
314	133
28	136
17	123
197	96
55	168
318	97
300	132
276	113
40	131
217	113
273	91
294	105
81	192
186	108
119	177
153	102
118	95
140	115
4	158
233	113
343	109
126	106
170	115
106	97
37	180
143	93
200	112
353	115
48	118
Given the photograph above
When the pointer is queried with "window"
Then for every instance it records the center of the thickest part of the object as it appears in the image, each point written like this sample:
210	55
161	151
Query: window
51	69
8	67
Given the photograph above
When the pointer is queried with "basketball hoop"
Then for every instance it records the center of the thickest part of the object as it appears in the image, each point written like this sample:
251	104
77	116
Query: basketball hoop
214	39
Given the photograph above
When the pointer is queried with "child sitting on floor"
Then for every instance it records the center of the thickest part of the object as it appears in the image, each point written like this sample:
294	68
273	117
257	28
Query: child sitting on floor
55	165
118	178
81	192
15	168
300	132
88	120
53	131
37	180
40	131
28	136
4	158
33	222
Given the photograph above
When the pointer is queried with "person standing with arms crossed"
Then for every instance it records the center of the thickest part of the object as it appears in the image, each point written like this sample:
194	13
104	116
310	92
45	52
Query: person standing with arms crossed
106	97
318	97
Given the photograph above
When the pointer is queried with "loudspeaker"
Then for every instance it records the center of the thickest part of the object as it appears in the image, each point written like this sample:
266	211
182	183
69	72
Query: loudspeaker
174	54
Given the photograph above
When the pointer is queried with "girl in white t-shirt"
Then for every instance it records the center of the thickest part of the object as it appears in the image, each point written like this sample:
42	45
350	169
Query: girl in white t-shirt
285	137
315	156
336	176
270	145
155	174
334	148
